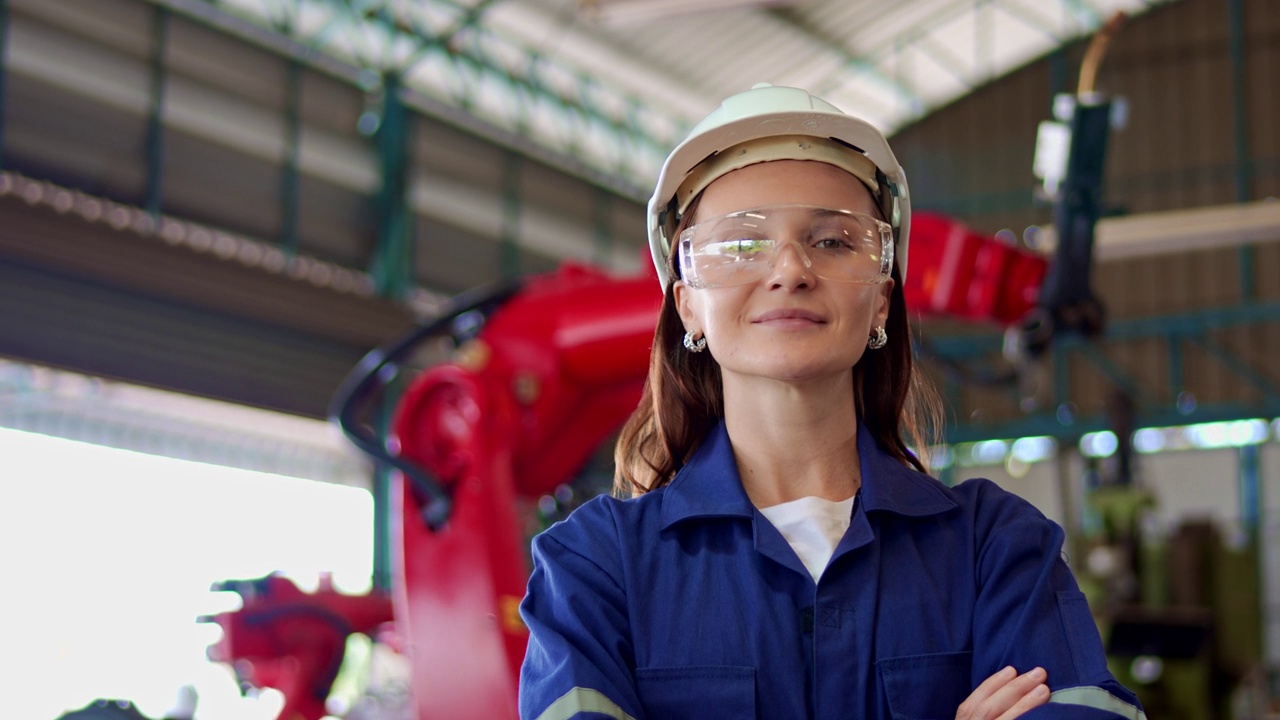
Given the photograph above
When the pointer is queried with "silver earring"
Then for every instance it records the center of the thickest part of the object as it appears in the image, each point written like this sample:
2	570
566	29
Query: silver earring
694	345
878	340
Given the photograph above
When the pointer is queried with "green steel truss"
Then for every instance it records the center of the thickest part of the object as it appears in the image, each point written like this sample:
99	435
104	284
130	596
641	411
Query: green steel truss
443	51
1157	393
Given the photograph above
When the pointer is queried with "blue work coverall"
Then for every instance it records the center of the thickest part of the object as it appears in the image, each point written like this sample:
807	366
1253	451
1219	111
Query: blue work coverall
687	603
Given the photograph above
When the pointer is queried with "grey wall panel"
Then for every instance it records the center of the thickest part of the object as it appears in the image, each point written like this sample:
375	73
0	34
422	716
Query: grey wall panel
55	134
458	154
330	104
1262	53
454	260
230	65
123	25
93	327
335	223
198	267
225	146
206	184
191	311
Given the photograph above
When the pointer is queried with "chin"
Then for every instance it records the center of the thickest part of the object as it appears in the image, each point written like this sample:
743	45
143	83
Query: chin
796	372
792	361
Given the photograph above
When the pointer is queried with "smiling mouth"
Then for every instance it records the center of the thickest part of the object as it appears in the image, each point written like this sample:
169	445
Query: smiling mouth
790	316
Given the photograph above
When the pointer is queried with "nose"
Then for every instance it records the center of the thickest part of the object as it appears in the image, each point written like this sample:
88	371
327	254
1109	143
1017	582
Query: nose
791	268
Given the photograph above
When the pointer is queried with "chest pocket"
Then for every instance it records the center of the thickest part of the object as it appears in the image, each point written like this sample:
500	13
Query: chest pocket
926	687
718	691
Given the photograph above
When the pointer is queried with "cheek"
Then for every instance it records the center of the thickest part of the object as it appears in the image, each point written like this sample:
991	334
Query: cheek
718	329
718	310
864	304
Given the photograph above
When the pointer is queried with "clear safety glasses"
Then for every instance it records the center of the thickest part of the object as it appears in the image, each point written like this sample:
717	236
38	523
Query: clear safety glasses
742	247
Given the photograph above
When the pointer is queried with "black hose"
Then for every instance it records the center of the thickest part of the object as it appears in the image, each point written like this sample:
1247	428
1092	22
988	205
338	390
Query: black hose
371	374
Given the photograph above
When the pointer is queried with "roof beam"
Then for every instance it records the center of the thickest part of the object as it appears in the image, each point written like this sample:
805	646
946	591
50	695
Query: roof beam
849	59
402	40
1029	17
945	60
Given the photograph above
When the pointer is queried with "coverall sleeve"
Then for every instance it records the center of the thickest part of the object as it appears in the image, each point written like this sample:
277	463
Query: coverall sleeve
579	664
1030	612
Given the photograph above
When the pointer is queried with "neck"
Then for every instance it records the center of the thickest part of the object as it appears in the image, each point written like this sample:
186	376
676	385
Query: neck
793	440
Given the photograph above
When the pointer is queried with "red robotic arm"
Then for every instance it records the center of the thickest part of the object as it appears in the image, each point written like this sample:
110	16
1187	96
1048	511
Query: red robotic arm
519	411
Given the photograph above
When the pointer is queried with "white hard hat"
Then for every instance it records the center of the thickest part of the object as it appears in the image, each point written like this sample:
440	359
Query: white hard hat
766	111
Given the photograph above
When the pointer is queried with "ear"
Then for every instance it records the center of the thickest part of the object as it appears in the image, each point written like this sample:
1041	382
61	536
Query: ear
686	306
884	297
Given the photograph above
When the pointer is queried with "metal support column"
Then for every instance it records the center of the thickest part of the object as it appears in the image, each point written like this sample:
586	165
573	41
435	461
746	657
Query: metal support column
289	173
393	260
383	502
1250	491
4	68
510	250
383	575
155	125
1253	520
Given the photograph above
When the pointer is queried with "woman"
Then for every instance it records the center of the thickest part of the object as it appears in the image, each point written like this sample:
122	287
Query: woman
784	554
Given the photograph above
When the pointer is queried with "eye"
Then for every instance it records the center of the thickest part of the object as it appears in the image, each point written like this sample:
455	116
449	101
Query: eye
831	241
740	247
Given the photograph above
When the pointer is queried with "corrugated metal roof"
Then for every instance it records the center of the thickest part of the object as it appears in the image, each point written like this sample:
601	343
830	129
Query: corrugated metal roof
891	62
579	77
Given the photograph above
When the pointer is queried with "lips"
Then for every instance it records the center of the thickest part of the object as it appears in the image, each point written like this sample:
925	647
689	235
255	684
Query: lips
790	314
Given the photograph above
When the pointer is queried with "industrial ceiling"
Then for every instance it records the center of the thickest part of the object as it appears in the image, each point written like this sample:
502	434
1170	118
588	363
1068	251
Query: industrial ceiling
617	83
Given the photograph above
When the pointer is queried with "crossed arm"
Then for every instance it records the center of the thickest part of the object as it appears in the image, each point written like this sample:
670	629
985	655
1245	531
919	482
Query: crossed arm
1028	614
1006	695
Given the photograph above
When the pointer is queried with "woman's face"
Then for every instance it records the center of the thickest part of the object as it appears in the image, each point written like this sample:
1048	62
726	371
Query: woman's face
791	325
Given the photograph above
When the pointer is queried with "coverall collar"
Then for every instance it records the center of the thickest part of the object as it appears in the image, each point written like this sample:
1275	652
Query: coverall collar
709	485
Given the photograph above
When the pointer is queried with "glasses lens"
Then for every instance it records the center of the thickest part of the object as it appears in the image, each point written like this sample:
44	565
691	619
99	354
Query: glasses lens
742	247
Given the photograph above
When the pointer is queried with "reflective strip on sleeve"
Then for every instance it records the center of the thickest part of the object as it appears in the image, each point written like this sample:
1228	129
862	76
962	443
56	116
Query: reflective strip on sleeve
582	699
1096	697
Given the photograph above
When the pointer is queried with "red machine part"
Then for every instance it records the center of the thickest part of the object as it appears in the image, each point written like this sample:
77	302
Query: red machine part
958	272
293	641
554	372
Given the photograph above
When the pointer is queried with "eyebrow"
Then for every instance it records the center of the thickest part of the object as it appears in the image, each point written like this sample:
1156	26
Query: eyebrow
828	212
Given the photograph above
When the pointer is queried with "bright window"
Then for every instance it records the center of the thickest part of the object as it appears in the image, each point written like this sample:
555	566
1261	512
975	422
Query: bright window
107	555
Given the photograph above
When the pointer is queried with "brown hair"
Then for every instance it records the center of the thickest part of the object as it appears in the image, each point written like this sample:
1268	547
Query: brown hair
683	397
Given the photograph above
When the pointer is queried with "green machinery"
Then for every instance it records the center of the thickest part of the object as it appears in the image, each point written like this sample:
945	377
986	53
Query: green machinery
1180	614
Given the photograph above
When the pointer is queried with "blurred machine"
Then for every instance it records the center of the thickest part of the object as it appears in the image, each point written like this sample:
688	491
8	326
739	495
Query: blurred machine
1179	610
293	641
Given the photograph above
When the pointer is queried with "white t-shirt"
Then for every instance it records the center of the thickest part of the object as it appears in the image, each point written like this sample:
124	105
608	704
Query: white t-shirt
813	527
